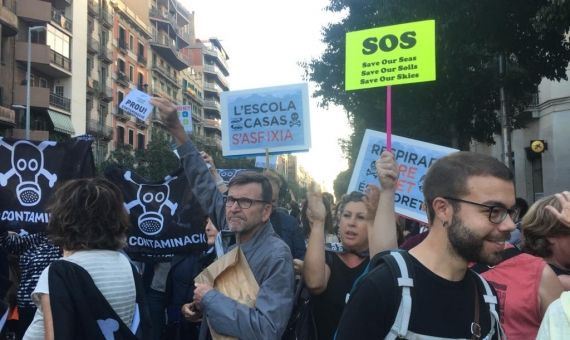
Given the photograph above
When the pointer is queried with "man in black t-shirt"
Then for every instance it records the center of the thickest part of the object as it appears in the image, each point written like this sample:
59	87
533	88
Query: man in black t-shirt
470	200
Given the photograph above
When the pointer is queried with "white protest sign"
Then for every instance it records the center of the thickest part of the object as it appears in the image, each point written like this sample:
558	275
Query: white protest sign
413	157
185	115
274	118
260	162
137	103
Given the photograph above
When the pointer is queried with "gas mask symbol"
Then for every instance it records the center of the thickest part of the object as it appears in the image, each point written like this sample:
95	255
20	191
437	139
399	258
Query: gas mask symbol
28	164
152	198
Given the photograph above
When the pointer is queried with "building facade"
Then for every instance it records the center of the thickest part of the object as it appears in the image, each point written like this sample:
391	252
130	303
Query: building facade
53	27
538	174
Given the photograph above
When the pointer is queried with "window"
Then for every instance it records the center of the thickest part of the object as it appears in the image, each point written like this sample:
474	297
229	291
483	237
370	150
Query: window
57	41
131	137
120	135
104	74
140	81
89	65
121	64
104	37
120	96
537	180
88	105
131	43
3	49
140	141
58	89
141	50
131	73
122	38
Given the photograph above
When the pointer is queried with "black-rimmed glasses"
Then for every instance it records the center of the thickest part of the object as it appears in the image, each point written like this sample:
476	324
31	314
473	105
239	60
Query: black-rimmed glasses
497	213
243	202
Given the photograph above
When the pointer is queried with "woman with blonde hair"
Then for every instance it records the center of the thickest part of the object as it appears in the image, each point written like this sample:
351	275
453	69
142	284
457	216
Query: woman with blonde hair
546	233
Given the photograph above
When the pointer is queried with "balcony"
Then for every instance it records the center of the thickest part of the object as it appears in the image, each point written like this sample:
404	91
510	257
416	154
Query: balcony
170	76
92	45
211	124
211	104
93	8
120	114
44	59
122	79
34	11
99	129
41	97
7	116
168	50
91	88
212	70
106	19
105	54
61	20
219	58
141	59
105	92
211	87
123	45
8	20
141	124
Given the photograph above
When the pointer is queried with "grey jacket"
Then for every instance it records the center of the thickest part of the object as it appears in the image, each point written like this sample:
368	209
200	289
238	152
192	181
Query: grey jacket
269	259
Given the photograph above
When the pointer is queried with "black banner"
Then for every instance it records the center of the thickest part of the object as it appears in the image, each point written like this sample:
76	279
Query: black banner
166	219
30	171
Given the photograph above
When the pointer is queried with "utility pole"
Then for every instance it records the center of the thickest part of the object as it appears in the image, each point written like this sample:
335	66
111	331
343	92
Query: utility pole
505	121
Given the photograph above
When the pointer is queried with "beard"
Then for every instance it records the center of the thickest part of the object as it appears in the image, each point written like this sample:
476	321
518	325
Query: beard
468	245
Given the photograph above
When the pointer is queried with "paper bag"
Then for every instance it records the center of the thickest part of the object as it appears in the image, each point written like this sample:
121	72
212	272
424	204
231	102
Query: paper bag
231	276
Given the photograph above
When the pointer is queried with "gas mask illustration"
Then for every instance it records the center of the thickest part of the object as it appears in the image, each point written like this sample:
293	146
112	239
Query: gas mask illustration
28	164
152	198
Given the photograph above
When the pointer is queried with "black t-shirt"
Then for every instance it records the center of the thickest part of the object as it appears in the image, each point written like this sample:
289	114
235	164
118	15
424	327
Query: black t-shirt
328	306
440	308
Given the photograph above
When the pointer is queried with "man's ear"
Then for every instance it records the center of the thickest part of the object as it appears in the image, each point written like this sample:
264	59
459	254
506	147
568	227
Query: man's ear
266	212
442	209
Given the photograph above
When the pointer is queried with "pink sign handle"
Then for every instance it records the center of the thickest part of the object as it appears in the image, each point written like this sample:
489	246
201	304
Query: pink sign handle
389	118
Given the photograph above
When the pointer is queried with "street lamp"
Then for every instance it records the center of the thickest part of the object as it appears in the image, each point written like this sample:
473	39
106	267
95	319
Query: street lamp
28	73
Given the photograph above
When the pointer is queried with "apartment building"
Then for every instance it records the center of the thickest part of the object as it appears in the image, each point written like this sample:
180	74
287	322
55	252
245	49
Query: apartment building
8	31
56	32
131	49
192	95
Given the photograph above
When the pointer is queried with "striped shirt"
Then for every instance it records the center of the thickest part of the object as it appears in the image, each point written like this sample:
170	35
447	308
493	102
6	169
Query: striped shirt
35	254
110	270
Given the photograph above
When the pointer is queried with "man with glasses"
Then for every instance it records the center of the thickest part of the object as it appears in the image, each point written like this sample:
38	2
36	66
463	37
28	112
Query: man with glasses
470	201
245	210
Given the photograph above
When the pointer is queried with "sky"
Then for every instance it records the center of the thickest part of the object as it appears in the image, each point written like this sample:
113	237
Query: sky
265	40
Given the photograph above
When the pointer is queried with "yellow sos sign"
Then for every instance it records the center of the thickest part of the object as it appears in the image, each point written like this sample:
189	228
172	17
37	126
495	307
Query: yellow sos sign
390	55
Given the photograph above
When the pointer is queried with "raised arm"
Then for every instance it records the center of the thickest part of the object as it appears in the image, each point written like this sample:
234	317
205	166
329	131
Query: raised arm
315	271
220	184
382	235
201	183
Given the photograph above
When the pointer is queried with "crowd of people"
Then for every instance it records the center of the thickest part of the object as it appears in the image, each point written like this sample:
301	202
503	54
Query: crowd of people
481	268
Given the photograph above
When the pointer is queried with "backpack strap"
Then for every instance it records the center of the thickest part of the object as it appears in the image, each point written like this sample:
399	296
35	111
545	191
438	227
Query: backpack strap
491	300
401	323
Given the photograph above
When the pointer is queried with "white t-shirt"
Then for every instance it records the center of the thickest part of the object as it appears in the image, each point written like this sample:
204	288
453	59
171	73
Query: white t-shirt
113	276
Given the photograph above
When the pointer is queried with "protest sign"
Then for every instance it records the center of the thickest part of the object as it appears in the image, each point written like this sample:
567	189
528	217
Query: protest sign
413	158
137	104
390	55
165	218
30	171
272	118
228	174
185	115
261	160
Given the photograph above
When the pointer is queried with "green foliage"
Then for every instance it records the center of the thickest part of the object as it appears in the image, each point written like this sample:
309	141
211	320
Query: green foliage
470	35
341	182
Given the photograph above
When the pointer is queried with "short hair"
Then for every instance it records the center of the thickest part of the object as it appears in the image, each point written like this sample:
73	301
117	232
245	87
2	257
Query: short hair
539	224
87	213
448	176
247	177
272	176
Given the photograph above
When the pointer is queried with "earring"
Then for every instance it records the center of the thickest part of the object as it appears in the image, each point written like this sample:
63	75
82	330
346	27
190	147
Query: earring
445	224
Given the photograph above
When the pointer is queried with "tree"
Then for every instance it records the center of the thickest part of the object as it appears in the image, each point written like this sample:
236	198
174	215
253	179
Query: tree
470	35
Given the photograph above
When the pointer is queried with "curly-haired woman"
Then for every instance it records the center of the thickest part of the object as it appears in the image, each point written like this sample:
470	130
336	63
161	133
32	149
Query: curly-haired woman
92	293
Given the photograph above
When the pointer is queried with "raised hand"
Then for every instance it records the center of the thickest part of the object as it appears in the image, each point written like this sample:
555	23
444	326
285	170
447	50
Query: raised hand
564	214
387	171
316	211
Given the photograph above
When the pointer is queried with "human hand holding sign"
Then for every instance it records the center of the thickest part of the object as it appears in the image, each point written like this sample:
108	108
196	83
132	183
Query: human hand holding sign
168	115
564	214
387	171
